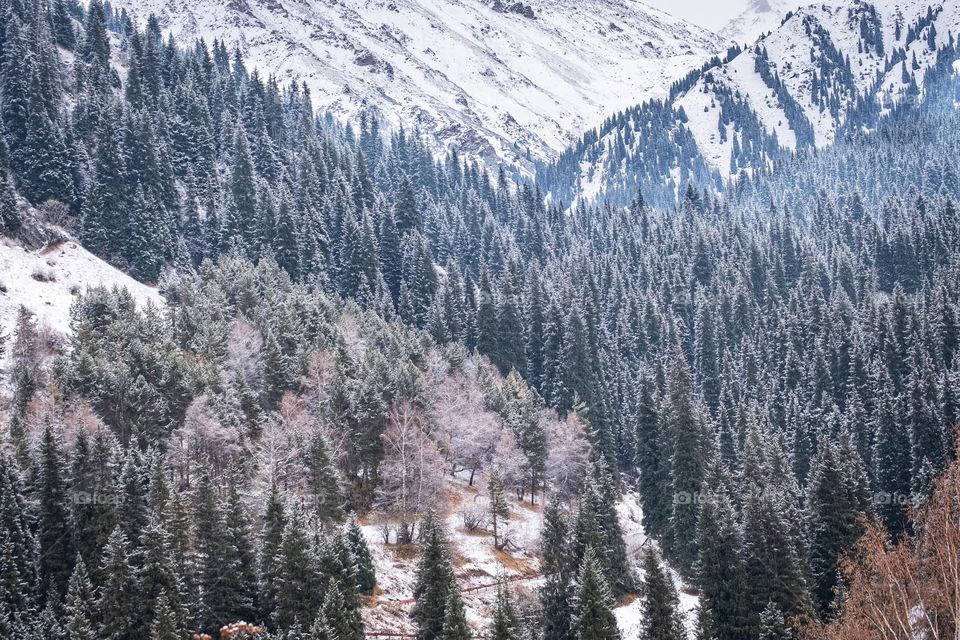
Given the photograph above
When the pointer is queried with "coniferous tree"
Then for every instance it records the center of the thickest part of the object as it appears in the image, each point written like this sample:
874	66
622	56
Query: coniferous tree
773	626
555	594
719	569
322	479
661	618
53	529
366	577
435	587
298	585
454	617
10	219
504	624
683	429
79	607
119	613
593	617
274	523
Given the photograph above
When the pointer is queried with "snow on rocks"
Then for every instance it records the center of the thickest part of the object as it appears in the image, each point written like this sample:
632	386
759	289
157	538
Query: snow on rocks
494	84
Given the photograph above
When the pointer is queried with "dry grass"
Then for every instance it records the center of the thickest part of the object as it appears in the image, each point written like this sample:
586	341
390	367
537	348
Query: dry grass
520	565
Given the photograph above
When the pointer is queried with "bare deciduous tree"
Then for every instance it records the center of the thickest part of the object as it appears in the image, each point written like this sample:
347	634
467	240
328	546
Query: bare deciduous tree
411	471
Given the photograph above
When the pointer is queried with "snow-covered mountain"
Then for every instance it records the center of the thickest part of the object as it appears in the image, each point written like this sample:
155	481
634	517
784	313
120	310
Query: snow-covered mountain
493	78
827	66
758	18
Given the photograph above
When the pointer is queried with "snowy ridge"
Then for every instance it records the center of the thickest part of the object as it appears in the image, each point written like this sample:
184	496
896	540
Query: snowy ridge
760	17
491	79
796	87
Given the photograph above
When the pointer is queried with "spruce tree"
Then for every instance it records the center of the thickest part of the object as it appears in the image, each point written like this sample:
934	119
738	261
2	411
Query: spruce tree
454	617
366	577
499	508
298	585
593	617
434	583
661	605
271	537
773	626
683	429
119	612
79	608
323	481
719	570
10	219
53	527
504	624
557	567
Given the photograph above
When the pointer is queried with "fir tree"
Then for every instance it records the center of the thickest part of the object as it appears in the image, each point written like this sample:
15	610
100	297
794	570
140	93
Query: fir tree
593	617
661	619
504	624
499	509
119	613
434	585
366	577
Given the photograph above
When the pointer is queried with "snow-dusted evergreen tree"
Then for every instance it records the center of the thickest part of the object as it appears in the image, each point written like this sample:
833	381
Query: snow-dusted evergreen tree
592	615
661	605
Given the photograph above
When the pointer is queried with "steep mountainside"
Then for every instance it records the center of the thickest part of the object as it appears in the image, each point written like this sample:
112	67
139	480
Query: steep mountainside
760	17
491	78
825	68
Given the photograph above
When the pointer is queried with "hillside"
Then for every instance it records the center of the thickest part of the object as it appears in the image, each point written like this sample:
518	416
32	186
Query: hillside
511	81
826	68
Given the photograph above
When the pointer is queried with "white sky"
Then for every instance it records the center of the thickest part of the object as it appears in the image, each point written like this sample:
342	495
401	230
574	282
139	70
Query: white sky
711	14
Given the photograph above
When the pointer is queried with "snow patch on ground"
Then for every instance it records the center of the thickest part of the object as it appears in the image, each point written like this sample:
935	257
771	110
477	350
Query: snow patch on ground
478	565
48	280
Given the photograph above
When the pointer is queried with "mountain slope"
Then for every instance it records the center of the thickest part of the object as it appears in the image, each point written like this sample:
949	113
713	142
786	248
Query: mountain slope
759	17
827	67
492	79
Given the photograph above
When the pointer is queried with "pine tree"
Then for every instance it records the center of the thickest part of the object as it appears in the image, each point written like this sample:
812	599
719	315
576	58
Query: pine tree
555	594
499	509
434	584
119	612
504	624
366	577
79	609
593	617
661	618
